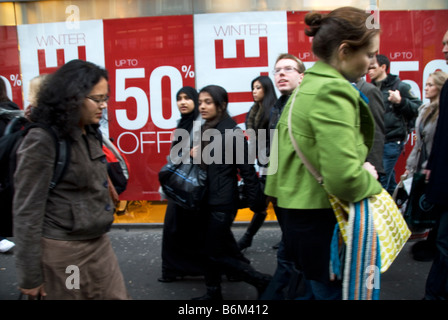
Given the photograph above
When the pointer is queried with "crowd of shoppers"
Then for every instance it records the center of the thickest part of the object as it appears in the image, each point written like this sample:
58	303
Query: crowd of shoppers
346	136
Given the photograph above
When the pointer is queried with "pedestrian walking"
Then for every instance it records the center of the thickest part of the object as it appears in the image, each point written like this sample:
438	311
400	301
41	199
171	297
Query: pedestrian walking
263	93
437	193
63	231
224	155
327	125
183	229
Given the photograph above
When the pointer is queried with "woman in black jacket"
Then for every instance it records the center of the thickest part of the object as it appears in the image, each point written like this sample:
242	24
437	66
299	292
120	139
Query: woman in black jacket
224	154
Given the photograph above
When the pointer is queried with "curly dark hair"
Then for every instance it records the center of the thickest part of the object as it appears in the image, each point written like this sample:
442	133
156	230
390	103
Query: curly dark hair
62	94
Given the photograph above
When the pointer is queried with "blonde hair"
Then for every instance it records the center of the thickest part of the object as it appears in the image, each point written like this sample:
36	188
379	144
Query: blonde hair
432	111
34	87
300	66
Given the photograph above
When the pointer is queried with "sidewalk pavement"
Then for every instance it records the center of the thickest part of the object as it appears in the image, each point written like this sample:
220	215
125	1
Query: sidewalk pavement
138	248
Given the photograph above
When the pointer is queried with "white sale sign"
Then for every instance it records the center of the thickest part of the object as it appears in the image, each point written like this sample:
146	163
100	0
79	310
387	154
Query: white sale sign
45	47
233	49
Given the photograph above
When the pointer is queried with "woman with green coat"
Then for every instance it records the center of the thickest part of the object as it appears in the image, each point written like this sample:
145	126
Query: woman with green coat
334	129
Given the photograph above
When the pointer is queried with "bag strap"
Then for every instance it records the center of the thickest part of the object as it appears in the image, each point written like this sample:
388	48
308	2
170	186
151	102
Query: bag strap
62	148
305	161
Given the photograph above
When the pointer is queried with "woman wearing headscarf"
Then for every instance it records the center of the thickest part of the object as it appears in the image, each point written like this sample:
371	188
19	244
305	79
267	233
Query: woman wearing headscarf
181	241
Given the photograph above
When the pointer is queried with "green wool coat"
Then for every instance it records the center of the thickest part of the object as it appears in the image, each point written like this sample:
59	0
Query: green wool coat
334	128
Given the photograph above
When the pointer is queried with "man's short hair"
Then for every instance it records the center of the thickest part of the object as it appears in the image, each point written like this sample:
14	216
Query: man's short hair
382	59
300	66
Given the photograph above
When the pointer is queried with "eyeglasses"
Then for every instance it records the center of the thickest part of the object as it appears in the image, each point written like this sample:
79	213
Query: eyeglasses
287	69
99	100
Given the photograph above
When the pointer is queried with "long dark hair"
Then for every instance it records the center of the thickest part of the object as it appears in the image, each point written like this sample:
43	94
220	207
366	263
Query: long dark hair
60	99
3	95
221	101
269	99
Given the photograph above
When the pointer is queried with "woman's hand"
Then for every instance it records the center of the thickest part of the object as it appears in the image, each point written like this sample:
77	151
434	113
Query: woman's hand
34	292
194	152
369	167
427	173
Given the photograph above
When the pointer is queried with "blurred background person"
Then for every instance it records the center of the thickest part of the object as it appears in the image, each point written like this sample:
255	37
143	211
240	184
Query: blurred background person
263	93
425	128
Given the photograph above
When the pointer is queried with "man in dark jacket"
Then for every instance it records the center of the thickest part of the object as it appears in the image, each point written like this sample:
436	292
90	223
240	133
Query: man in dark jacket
401	110
437	192
376	105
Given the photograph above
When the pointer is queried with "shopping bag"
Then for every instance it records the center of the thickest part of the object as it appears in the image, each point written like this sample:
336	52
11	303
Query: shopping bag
420	213
392	230
184	183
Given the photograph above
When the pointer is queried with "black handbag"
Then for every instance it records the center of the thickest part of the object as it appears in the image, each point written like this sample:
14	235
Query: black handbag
420	212
184	183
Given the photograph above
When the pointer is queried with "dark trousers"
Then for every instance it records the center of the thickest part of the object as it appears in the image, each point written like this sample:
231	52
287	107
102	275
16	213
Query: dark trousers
307	236
437	281
224	257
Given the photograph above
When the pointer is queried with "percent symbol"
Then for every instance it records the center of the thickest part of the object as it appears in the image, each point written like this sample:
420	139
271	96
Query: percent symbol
188	72
16	80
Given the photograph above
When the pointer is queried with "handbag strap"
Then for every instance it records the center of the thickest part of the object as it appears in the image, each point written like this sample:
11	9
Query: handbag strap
305	161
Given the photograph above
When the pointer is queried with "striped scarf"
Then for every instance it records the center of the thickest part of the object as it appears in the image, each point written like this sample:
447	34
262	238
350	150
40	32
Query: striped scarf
360	255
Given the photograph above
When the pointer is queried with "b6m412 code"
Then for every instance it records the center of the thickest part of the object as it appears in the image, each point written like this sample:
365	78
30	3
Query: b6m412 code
245	309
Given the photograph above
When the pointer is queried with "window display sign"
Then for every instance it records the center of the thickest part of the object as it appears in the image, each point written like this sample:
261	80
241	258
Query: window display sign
45	47
9	64
149	59
233	49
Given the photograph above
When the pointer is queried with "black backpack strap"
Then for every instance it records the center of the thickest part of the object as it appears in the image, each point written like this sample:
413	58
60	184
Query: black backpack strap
62	156
62	147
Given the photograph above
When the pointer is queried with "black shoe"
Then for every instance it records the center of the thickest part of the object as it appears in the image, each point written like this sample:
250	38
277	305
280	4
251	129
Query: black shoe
213	293
276	246
166	279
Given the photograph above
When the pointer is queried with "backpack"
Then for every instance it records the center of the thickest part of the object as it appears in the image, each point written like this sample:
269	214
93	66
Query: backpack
117	165
14	134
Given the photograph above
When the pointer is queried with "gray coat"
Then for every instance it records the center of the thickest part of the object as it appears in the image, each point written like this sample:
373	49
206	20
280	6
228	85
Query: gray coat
78	208
424	131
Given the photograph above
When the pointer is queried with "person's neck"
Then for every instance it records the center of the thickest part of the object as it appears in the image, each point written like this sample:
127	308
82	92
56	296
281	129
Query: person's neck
381	77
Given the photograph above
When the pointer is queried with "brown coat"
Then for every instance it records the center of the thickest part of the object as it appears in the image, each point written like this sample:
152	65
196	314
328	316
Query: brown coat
79	208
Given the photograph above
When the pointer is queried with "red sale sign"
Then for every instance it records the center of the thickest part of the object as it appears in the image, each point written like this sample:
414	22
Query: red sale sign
149	60
9	63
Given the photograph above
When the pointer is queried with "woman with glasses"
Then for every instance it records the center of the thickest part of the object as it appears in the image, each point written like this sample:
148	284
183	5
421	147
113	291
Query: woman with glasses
63	251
